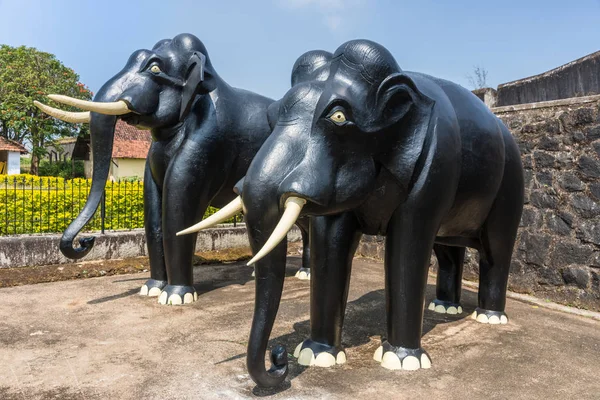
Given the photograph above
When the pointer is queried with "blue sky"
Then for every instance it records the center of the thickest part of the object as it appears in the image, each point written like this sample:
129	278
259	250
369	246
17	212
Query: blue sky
253	44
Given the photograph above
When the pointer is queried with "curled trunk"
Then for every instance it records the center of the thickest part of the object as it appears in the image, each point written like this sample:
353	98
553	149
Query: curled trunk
270	274
102	131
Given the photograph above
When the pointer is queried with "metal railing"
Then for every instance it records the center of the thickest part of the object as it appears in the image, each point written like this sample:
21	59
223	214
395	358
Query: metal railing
30	204
48	204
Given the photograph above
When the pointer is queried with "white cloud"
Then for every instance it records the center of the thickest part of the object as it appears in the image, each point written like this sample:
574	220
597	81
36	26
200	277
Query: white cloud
333	10
333	22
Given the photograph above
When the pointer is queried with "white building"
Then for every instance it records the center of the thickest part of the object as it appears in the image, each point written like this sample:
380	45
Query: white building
130	149
10	156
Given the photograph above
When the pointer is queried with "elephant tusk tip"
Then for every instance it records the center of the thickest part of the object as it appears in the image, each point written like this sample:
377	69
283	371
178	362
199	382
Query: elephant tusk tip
293	207
119	107
253	261
257	257
67	116
223	214
184	232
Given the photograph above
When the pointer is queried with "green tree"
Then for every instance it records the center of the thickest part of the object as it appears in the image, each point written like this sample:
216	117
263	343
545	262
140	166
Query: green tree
27	74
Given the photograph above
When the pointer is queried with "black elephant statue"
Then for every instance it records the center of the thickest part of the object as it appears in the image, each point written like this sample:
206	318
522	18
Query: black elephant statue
370	148
205	133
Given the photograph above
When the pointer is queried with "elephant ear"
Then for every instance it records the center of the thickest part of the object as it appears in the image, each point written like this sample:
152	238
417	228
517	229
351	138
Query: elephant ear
395	97
239	186
193	82
403	114
273	113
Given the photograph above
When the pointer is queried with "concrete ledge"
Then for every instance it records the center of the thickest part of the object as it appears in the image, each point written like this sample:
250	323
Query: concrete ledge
35	250
574	79
546	104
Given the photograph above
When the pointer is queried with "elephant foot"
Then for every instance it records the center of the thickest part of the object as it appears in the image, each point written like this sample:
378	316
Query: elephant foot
394	358
152	288
178	294
311	353
489	317
445	307
303	274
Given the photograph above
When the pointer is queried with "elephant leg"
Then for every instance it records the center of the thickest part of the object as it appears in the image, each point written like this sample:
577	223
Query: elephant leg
304	271
449	278
409	241
187	191
494	265
497	240
154	236
333	242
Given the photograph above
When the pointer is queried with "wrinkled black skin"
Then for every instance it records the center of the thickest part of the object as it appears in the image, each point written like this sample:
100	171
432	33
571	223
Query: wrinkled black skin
421	160
205	133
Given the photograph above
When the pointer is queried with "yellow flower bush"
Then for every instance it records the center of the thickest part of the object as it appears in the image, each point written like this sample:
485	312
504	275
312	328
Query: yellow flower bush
32	204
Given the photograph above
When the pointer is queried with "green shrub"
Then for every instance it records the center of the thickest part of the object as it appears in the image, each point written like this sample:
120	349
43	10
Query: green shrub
63	169
32	204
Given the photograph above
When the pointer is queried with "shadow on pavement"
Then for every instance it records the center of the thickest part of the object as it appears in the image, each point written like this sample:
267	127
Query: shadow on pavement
364	319
210	277
114	297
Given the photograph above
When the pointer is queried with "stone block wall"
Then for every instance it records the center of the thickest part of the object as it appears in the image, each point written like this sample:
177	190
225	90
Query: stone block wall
558	251
557	254
488	95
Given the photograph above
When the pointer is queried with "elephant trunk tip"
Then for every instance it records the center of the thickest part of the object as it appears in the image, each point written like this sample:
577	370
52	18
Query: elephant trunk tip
86	245
276	374
279	357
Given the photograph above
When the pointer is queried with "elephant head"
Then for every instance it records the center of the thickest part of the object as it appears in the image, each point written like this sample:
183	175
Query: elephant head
155	90
333	135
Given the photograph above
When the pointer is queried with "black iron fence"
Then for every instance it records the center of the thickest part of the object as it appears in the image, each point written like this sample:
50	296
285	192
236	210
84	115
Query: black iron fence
32	204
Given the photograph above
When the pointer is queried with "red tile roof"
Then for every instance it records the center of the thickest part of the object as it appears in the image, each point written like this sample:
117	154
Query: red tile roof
11	145
130	142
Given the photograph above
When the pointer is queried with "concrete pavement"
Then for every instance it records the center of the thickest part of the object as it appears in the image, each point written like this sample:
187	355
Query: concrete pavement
97	339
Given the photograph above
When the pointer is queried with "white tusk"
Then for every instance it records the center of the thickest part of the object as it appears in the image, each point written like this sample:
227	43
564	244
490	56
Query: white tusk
293	207
224	213
113	108
67	116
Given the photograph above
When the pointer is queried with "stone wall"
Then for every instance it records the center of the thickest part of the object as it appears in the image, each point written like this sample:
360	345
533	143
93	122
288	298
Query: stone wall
488	95
557	254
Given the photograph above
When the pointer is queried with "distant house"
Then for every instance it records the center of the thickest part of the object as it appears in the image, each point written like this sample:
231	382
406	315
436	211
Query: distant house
130	149
10	156
62	150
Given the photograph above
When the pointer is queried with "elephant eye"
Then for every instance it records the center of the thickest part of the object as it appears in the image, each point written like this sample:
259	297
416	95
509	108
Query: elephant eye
155	69
338	117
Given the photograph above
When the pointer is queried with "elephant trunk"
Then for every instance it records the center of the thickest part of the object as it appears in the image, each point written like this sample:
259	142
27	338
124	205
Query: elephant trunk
102	131
270	274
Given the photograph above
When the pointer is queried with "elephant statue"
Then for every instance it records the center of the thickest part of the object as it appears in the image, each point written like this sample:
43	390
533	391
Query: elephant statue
205	133
372	149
